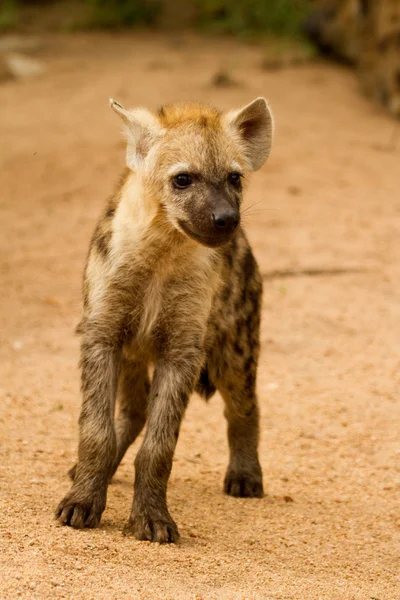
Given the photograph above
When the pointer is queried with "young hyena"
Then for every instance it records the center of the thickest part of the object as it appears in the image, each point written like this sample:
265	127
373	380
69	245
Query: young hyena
171	282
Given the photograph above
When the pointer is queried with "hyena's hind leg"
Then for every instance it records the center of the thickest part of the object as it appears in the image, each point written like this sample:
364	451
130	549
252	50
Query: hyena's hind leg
133	391
234	370
237	387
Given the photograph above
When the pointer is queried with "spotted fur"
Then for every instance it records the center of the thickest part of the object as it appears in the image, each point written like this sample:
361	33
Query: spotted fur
169	289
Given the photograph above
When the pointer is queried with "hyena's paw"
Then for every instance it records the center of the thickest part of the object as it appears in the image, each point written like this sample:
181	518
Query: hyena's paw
243	484
81	510
157	528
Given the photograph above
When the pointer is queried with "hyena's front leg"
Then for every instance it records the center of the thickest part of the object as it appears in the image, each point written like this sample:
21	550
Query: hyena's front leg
86	500
169	395
133	392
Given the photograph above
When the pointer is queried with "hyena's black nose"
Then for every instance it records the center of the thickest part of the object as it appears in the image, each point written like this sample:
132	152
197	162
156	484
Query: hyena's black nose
226	220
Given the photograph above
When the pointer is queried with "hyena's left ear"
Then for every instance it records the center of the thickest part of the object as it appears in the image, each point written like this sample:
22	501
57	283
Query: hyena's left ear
141	128
253	125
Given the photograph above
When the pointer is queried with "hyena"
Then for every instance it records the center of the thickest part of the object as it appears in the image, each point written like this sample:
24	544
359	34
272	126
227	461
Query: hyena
171	287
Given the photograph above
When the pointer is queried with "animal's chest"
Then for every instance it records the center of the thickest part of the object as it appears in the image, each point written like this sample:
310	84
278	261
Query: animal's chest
152	308
174	304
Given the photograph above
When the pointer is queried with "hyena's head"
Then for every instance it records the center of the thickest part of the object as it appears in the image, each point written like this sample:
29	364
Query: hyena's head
193	160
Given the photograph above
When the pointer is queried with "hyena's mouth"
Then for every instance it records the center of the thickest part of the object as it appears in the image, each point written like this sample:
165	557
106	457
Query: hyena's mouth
209	240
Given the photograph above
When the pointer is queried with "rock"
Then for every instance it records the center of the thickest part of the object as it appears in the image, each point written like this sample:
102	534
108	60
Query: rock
288	499
21	66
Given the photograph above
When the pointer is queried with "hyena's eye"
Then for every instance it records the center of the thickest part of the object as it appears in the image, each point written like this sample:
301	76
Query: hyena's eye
182	180
235	179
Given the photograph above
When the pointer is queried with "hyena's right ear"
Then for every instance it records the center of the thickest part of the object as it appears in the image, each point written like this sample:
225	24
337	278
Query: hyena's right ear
141	129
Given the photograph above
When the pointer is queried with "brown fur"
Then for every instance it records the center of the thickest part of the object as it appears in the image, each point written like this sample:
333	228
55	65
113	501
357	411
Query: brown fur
167	286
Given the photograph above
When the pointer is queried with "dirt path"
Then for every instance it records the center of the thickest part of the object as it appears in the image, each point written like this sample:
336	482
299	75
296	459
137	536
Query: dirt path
326	230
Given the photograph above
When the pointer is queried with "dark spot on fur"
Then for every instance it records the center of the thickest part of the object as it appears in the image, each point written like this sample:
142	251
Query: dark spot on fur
254	297
383	45
249	264
249	324
216	329
223	339
230	251
249	364
101	241
162	339
110	212
196	342
249	386
161	112
238	349
225	294
249	268
229	259
234	244
239	327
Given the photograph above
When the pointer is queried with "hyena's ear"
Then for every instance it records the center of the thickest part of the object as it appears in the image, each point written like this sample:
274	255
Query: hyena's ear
141	128
253	126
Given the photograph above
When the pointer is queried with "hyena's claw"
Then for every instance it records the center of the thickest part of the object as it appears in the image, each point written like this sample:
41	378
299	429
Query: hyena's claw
243	485
79	514
144	527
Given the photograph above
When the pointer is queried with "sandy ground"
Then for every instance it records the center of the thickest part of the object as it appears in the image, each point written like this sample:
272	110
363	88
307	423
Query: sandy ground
325	225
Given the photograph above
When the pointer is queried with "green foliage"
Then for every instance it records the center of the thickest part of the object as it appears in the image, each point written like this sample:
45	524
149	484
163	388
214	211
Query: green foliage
8	14
242	18
123	13
253	17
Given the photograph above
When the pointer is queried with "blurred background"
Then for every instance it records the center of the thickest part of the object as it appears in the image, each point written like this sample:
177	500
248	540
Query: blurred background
323	218
361	33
